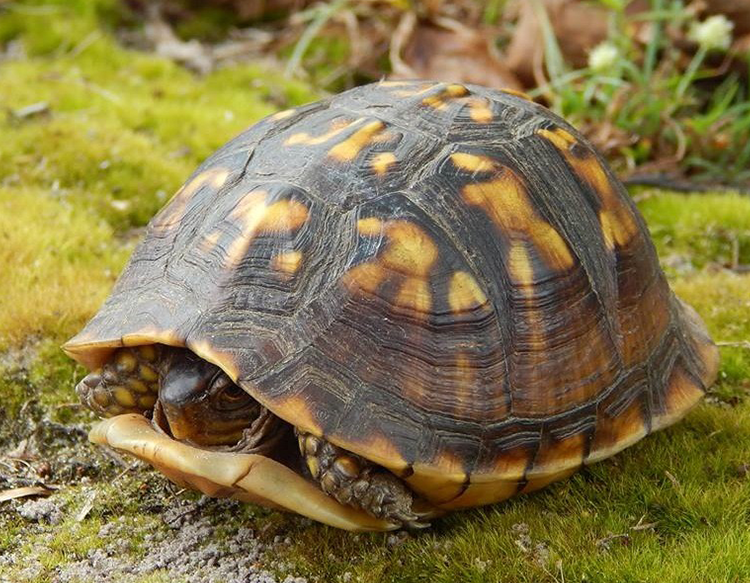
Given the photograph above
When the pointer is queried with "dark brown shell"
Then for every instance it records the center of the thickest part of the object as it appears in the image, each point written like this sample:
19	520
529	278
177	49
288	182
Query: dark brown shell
444	279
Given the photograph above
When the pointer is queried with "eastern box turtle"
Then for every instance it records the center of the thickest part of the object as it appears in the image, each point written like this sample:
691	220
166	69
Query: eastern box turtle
409	298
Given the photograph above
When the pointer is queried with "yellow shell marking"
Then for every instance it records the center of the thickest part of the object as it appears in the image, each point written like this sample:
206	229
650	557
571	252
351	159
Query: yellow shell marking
480	111
350	147
151	335
369	227
440	481
681	395
283	216
506	202
415	90
617	222
382	162
366	276
559	456
517	93
209	242
473	163
255	216
221	359
464	293
250	211
613	434
303	138
438	101
288	263
410	251
415	294
381	450
519	265
296	410
175	209
283	114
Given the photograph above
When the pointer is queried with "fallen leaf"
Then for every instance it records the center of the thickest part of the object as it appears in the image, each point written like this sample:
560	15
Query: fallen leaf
453	53
24	492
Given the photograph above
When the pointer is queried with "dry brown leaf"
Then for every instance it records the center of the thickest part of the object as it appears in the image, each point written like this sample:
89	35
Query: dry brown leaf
455	54
24	492
742	44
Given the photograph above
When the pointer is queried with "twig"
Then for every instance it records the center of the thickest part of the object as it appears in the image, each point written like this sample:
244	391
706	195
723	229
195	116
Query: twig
643	525
176	518
85	43
737	344
675	481
403	31
122	473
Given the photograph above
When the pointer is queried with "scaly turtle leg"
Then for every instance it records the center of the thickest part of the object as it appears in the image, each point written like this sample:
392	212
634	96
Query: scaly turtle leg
357	482
127	383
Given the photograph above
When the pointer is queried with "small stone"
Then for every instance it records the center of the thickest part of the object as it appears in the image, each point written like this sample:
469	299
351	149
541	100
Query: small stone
41	511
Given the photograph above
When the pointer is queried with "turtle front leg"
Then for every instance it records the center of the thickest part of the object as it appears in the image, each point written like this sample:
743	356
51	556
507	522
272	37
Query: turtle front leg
127	383
357	482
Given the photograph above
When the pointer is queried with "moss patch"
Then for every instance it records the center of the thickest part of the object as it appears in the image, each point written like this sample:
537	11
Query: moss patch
694	230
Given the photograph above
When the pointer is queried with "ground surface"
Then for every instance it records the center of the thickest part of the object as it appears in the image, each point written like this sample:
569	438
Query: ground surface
111	135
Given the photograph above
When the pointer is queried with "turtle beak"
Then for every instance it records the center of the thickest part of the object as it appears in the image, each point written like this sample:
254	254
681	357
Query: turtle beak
246	477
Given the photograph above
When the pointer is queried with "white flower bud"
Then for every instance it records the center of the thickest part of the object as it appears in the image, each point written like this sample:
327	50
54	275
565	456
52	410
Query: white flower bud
713	33
603	57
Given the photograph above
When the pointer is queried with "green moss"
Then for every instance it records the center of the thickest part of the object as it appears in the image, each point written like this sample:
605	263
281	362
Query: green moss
693	230
58	263
133	135
60	26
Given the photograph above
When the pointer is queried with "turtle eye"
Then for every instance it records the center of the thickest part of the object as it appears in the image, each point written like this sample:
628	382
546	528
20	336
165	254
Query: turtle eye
226	394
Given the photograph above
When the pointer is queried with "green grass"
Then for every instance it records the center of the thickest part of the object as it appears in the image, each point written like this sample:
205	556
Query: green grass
123	130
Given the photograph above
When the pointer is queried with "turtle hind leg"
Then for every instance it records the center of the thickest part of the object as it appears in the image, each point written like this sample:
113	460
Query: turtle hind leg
357	482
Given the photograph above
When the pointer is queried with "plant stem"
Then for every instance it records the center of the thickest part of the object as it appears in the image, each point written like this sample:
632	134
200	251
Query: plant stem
689	75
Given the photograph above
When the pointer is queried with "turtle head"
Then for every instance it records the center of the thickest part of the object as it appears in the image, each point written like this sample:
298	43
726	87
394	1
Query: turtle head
188	397
198	402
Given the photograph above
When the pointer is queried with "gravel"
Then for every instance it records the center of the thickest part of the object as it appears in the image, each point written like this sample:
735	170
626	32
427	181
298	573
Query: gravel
192	550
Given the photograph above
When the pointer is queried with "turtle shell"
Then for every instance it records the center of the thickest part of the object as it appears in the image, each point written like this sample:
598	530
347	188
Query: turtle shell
444	279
